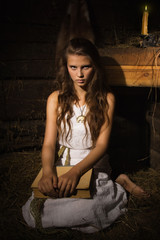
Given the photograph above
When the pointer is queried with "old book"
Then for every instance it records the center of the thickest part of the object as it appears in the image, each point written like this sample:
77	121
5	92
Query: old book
82	189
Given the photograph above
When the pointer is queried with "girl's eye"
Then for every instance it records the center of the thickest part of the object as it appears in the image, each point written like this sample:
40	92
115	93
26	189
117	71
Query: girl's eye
73	67
85	67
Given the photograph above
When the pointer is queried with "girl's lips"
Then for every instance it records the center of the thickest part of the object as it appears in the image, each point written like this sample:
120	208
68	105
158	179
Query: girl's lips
80	80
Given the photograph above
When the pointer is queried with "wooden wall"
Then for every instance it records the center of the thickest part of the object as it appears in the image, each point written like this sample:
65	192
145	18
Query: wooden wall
153	118
29	32
27	48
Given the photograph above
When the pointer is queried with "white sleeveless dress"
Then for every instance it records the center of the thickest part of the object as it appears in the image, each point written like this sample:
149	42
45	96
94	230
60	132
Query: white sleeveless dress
86	215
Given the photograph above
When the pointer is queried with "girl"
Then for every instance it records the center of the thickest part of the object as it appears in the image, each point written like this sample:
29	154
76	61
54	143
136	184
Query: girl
79	118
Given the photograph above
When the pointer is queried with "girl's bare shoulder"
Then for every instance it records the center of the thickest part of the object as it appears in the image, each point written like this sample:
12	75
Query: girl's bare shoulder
53	99
110	99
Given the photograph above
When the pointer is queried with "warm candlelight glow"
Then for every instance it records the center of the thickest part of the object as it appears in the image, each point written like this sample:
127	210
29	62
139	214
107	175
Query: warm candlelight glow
144	30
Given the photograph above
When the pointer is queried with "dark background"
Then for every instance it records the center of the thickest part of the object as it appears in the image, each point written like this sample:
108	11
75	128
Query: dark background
28	36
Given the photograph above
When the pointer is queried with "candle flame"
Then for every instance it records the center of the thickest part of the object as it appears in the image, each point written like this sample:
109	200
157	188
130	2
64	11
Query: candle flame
146	8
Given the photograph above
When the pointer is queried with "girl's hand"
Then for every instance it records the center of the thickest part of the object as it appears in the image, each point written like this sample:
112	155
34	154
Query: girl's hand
48	184
67	182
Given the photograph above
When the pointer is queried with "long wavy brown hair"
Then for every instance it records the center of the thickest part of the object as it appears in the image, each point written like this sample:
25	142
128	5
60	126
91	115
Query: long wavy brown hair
97	89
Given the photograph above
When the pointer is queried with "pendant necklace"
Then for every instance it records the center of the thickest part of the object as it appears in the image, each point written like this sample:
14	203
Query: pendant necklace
81	118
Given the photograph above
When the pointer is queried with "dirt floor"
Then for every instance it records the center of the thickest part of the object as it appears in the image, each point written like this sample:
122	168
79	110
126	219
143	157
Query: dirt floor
18	170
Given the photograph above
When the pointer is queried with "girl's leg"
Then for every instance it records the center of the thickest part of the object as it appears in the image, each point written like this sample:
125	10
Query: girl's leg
131	187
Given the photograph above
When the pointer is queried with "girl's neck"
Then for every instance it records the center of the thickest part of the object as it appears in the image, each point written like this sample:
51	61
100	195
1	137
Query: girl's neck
81	94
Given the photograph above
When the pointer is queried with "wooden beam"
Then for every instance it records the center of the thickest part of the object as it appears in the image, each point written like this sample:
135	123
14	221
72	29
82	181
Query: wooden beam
133	76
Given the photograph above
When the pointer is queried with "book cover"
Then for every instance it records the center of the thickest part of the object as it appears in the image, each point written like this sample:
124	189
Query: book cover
82	189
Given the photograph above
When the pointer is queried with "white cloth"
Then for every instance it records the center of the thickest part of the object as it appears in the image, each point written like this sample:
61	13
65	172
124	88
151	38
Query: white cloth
86	215
78	140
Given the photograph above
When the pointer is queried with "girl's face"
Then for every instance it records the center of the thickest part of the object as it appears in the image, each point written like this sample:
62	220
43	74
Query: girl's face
80	69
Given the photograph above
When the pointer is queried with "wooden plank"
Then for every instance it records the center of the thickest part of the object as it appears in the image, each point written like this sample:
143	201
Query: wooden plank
155	141
128	67
24	99
154	107
133	56
2	101
133	76
154	123
124	67
17	135
30	89
137	67
20	51
28	32
33	12
25	109
43	68
155	159
136	76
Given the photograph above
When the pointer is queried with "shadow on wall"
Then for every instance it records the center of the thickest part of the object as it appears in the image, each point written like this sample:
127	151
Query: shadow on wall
130	141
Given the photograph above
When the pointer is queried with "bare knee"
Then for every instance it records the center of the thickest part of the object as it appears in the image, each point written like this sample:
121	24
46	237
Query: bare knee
122	177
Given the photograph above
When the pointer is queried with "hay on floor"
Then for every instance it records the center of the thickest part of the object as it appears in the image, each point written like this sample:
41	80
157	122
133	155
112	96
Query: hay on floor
18	170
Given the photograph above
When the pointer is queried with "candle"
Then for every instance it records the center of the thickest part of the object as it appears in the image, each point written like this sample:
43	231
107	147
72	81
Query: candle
145	22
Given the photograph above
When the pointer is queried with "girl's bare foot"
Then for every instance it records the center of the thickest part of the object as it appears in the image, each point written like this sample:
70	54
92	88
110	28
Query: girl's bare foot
131	187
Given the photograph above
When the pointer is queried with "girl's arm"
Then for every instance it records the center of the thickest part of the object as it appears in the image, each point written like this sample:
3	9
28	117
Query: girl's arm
68	182
48	182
